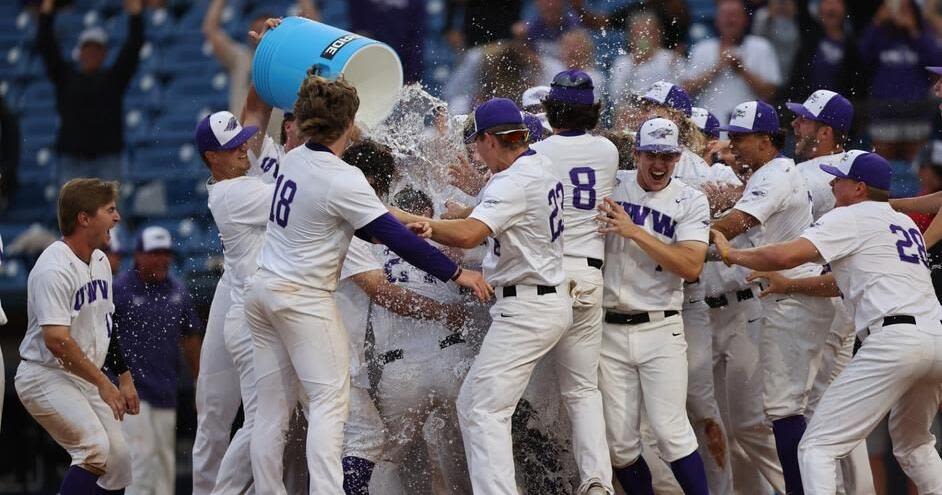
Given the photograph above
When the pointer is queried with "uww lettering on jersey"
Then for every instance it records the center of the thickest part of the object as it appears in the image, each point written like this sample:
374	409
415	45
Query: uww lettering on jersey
661	222
90	292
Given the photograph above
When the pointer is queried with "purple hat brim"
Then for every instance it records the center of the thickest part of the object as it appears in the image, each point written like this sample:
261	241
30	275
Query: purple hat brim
934	70
660	148
735	129
240	138
800	109
836	172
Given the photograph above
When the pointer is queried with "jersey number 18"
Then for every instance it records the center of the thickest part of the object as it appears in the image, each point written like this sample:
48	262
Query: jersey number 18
281	201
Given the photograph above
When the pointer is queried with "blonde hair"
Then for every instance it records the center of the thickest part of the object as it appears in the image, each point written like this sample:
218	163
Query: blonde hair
83	195
325	109
691	137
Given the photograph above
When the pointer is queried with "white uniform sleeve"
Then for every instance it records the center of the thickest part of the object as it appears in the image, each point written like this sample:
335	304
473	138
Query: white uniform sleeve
50	298
360	259
695	224
502	204
724	174
834	234
252	205
352	199
762	198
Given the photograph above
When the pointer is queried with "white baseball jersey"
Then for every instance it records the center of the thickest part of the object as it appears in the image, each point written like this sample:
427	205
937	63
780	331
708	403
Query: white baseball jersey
267	164
879	261
776	196
633	281
305	240
586	166
240	208
64	290
819	183
523	207
691	169
354	304
393	330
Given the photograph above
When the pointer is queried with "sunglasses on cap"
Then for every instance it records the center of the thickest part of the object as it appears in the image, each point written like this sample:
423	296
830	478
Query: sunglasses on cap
567	79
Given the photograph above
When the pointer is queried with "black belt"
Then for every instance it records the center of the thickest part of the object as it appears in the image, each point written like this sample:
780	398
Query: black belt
635	319
721	300
899	320
397	354
595	262
511	290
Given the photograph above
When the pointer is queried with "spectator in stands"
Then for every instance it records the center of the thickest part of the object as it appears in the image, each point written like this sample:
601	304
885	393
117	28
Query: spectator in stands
778	23
896	47
9	153
828	57
89	97
551	20
577	51
735	67
483	21
646	63
399	24
236	57
155	317
673	16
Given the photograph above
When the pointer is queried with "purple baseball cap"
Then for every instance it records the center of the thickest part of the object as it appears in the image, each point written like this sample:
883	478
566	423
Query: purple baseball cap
752	117
658	135
535	126
826	107
669	95
572	86
934	70
706	121
869	168
496	112
221	131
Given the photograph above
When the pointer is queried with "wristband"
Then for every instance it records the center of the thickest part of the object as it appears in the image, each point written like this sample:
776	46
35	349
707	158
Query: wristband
457	274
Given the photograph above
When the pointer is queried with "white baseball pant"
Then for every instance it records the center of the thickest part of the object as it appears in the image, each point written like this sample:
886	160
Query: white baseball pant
855	475
151	438
794	329
524	329
416	397
299	342
217	399
577	362
738	379
235	470
702	405
74	415
898	369
647	364
364	434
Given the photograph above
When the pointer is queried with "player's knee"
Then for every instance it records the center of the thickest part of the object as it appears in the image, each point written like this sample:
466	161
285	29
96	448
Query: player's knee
95	453
624	453
118	468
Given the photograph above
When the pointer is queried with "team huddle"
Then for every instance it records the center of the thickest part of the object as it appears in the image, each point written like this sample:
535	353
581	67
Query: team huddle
700	318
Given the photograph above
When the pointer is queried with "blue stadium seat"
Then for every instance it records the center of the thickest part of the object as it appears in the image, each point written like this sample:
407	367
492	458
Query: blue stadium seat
186	196
143	93
175	127
9	230
137	126
32	202
38	166
13	276
152	162
194	91
38	130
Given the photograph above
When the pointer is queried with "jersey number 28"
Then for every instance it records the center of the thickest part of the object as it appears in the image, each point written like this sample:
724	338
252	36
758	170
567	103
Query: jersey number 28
555	197
905	243
281	201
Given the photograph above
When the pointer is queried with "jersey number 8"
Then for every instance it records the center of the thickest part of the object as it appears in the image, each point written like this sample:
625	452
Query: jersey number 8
281	201
583	190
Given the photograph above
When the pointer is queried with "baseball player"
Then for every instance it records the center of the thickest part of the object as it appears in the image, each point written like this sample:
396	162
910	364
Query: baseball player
879	265
794	327
520	217
821	126
68	339
659	228
733	324
586	166
424	361
671	102
296	332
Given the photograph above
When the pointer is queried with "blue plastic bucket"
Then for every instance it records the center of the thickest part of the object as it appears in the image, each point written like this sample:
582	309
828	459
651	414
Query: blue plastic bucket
286	53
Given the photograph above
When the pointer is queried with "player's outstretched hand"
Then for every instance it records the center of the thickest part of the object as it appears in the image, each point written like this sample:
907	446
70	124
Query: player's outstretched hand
132	403
475	281
722	245
112	396
777	283
465	177
421	229
613	218
271	23
454	210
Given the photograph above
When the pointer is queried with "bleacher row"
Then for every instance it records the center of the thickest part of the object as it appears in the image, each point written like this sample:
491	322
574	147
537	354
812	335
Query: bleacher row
177	82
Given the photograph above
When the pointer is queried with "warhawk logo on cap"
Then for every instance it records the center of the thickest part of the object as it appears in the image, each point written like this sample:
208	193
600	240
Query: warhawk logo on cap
232	125
661	133
740	113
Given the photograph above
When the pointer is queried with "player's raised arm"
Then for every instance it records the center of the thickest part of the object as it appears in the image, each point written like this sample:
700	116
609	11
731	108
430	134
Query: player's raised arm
820	286
771	257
